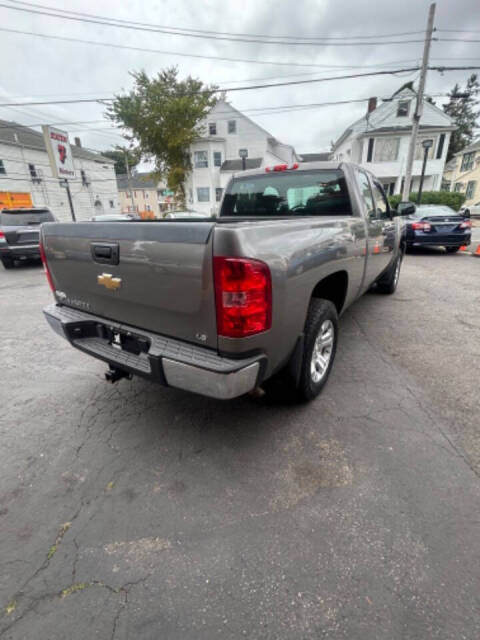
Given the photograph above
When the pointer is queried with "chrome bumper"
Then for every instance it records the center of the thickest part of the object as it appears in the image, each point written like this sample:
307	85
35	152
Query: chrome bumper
169	361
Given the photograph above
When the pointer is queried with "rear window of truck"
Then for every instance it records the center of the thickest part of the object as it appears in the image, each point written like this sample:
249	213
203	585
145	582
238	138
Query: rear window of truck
288	193
24	218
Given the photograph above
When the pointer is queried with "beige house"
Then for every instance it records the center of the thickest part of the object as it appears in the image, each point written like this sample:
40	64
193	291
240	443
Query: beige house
139	194
462	174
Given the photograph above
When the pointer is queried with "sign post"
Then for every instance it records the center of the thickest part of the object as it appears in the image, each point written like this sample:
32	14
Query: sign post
243	153
61	159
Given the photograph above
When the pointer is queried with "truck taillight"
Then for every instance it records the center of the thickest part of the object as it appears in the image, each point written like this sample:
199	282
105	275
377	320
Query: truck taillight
243	293
2	235
282	167
45	266
466	224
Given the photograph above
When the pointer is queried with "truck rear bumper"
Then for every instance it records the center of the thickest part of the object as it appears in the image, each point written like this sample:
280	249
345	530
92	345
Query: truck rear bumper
165	360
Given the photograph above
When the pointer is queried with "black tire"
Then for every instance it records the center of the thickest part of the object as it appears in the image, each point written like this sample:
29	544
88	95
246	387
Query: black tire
7	263
452	249
389	281
320	313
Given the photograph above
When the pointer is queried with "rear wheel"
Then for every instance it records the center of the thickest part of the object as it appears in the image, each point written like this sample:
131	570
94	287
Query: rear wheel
452	249
389	281
319	348
7	263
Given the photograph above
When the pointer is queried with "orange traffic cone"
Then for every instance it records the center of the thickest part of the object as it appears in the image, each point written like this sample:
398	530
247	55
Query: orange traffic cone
477	252
464	248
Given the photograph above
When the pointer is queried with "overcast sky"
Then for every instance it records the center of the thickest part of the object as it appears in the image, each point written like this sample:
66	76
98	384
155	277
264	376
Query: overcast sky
37	68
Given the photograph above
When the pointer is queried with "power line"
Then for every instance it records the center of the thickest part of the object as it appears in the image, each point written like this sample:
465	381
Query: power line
457	31
53	12
163	52
245	88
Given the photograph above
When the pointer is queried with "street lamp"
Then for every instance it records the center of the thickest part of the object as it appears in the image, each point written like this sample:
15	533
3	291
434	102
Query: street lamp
426	144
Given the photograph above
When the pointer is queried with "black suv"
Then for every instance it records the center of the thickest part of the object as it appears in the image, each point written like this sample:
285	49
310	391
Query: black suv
19	233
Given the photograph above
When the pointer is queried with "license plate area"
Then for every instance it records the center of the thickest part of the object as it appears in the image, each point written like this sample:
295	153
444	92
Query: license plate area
116	338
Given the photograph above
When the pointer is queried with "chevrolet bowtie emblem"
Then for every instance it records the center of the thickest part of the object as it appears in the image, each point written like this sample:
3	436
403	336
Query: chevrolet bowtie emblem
108	281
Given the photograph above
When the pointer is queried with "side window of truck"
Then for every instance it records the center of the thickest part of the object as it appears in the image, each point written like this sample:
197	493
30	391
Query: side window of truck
365	192
381	202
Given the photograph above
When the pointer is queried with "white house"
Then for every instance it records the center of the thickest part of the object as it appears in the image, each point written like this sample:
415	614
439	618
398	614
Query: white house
26	176
379	141
215	155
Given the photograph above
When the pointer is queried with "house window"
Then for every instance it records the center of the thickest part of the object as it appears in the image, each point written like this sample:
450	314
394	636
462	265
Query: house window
458	187
2	168
218	194
217	158
111	203
33	173
147	207
470	191
203	194
403	108
190	196
386	149
135	194
212	128
200	159
232	126
370	149
441	144
83	175
446	184
147	195
467	161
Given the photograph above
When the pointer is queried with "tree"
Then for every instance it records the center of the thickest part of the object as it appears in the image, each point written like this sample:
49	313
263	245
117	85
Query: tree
118	155
161	116
464	110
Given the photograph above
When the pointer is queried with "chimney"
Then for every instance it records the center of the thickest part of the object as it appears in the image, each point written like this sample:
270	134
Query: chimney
79	144
372	104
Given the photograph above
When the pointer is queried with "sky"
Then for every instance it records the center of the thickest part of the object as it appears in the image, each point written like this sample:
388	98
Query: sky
38	69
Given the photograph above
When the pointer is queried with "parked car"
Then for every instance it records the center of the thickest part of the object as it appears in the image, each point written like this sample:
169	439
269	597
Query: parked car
19	233
472	210
177	215
218	306
112	217
438	226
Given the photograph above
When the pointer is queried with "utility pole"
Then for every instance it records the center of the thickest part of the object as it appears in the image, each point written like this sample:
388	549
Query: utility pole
419	105
129	181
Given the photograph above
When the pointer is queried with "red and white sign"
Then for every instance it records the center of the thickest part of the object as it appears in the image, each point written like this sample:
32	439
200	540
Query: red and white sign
59	152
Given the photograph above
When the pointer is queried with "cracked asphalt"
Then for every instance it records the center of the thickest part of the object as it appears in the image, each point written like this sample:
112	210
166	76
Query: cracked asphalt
135	511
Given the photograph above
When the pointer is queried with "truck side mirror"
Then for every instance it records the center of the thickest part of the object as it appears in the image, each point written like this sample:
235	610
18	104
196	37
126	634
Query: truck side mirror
466	213
405	209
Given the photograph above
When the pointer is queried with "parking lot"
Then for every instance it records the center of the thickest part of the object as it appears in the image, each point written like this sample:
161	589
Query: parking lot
136	511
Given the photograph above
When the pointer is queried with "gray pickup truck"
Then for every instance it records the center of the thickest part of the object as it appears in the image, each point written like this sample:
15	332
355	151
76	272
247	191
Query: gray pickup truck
219	306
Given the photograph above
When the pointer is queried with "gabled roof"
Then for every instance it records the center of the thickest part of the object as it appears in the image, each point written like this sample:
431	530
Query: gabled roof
474	146
384	118
137	181
236	165
313	157
20	135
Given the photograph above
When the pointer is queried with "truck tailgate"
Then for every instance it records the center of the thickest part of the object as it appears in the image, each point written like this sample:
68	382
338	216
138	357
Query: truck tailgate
151	275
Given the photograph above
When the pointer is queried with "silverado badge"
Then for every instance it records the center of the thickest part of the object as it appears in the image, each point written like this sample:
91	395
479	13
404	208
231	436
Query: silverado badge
108	281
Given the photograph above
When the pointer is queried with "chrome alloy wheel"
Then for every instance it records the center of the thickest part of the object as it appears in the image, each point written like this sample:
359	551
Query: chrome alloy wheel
322	351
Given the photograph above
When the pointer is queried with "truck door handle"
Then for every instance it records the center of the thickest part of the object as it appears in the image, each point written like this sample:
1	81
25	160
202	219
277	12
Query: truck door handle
106	253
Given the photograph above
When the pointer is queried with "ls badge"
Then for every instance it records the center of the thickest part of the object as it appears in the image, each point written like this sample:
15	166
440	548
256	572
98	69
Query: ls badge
108	281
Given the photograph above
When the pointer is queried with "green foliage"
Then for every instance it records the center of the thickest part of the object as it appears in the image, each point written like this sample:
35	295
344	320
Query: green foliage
161	117
118	155
448	198
465	112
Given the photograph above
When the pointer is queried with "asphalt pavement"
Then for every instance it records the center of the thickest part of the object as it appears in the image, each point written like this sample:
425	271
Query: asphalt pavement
135	511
